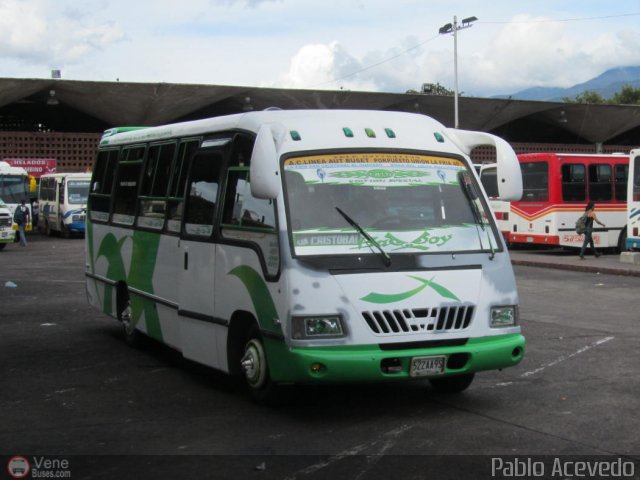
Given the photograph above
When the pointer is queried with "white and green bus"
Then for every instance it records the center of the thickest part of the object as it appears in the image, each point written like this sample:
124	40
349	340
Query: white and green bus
302	247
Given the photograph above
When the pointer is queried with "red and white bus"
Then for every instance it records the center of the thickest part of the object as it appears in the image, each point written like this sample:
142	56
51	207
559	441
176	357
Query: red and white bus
556	188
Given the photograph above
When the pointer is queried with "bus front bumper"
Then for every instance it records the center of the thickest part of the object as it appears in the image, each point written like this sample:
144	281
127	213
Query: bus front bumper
369	363
77	227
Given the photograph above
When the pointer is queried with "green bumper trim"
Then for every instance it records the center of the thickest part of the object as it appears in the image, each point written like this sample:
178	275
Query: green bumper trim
362	363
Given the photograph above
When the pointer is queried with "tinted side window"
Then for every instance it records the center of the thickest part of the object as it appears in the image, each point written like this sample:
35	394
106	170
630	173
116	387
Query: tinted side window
535	181
202	194
101	184
126	188
178	183
621	173
600	183
574	182
157	173
489	179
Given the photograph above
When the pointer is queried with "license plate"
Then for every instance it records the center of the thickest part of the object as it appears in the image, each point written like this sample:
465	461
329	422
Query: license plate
426	366
529	239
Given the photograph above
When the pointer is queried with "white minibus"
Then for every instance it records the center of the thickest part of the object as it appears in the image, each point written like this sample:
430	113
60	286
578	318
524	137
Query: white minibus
307	247
632	240
62	198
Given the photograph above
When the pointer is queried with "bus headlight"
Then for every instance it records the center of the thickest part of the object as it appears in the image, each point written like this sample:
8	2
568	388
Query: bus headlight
506	316
317	327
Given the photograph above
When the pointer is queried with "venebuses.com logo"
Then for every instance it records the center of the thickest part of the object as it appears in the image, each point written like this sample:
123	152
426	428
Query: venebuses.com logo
39	467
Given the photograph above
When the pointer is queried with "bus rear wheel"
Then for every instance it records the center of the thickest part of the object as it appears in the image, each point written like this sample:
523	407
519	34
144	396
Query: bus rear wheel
255	369
123	304
622	241
453	384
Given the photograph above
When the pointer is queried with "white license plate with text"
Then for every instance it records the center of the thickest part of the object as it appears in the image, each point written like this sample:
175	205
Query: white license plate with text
426	366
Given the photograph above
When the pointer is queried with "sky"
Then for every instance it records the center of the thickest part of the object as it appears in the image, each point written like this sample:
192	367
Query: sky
363	45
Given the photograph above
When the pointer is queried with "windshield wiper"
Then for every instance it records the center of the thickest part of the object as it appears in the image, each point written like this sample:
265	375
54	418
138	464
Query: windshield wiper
471	194
369	238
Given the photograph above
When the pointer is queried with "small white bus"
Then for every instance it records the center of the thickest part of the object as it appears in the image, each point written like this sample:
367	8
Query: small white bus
62	198
301	247
632	241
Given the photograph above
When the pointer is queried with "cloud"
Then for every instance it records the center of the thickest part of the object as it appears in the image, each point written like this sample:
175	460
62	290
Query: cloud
33	32
332	66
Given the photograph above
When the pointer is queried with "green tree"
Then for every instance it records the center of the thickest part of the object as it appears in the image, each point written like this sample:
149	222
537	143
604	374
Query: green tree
627	96
588	96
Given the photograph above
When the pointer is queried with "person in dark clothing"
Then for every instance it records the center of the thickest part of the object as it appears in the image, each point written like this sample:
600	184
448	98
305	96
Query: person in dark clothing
589	212
21	217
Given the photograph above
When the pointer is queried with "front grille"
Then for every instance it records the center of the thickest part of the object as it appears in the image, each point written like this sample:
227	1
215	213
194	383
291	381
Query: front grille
78	219
419	320
5	221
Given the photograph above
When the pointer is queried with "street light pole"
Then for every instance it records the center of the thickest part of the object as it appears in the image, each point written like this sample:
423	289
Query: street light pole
453	28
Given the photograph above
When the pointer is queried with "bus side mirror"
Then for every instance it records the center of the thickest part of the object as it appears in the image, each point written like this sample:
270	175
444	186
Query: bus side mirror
264	171
508	172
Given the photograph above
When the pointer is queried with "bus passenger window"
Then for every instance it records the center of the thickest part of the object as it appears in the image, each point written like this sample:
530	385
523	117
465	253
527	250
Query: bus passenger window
535	181
600	183
573	182
621	175
175	205
126	191
101	183
155	182
202	194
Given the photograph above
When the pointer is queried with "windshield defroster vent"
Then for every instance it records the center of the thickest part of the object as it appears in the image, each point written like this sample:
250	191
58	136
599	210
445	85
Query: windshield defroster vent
419	320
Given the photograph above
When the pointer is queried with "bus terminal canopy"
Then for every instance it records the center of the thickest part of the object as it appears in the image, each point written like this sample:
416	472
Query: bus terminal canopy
82	106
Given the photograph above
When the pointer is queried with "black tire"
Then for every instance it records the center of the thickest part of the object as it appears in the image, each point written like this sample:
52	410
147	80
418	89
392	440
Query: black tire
255	370
622	241
2	245
454	384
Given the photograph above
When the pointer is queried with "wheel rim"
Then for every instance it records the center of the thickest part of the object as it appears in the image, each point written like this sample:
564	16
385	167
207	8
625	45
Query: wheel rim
254	364
125	318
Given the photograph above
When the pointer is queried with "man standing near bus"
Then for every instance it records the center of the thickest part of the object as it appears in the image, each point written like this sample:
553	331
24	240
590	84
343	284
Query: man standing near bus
590	215
21	217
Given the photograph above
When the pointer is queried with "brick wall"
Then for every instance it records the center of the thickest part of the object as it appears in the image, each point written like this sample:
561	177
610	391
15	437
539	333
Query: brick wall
74	152
488	154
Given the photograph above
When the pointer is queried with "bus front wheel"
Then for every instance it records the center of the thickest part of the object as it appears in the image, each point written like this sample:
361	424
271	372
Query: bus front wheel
454	384
255	369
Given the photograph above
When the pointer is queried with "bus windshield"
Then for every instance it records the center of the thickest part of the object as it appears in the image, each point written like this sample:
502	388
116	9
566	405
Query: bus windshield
407	203
78	191
14	188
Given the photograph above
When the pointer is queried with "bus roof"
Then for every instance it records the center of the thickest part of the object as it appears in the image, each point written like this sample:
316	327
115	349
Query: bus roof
7	169
310	129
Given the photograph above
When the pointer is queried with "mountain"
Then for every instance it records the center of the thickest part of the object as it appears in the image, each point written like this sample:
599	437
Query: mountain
606	84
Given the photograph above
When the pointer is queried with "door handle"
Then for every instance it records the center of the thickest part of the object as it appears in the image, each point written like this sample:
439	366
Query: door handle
186	260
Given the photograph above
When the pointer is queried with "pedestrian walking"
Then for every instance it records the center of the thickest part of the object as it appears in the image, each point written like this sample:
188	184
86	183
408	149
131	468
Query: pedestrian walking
21	217
590	215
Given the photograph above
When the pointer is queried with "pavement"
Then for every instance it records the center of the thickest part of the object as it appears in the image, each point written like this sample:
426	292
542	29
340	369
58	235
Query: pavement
558	258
